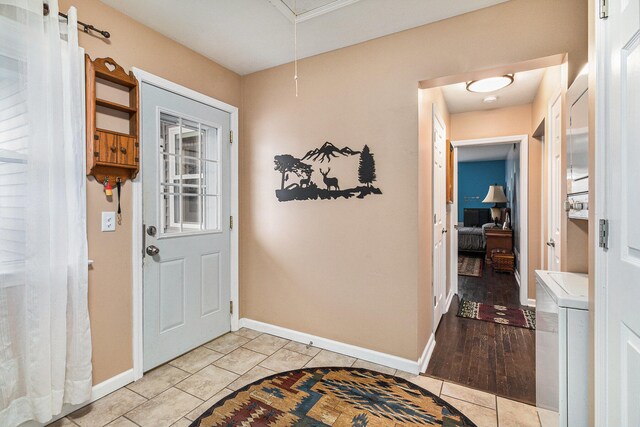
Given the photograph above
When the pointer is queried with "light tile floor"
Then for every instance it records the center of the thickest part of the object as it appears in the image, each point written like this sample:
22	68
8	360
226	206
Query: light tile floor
177	393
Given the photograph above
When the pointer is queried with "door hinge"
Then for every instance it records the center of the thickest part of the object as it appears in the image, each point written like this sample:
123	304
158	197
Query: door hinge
230	307
604	9
603	233
434	300
231	222
230	137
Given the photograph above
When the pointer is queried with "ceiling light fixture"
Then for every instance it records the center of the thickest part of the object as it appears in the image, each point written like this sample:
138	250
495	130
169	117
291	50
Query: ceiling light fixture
490	99
491	84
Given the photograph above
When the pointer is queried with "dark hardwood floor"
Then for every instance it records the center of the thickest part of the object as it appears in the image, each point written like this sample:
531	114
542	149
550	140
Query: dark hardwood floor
486	356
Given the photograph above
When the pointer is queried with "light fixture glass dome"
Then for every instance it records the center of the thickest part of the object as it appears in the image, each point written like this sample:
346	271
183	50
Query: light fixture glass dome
491	84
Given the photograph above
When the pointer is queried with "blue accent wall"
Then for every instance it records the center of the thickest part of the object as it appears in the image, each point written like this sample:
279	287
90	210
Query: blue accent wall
474	179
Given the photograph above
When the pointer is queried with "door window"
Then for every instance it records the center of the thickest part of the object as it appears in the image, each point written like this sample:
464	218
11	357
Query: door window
190	176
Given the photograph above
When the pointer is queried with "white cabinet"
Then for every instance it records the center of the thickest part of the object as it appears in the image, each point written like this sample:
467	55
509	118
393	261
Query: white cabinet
562	327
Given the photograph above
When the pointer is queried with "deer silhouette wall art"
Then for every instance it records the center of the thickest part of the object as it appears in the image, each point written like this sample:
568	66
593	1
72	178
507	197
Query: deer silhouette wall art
297	174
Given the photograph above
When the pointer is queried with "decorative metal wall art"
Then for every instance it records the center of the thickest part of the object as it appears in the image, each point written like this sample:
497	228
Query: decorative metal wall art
306	178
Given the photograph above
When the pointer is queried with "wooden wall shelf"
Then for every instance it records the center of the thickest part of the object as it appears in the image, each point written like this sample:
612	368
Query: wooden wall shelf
111	155
114	106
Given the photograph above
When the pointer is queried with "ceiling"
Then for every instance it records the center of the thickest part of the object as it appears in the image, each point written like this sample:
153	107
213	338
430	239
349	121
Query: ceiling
521	91
251	35
484	153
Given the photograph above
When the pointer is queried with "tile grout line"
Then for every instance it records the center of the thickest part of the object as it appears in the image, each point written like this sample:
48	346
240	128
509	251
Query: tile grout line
127	418
199	398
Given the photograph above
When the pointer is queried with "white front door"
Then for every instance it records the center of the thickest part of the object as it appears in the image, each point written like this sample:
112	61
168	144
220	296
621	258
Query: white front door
556	175
439	218
622	207
186	205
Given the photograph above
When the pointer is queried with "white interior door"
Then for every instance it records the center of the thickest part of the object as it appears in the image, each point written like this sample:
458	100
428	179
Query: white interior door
556	175
186	208
622	207
439	218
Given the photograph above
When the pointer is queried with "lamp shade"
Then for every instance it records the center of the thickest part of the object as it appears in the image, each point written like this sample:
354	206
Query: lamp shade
495	195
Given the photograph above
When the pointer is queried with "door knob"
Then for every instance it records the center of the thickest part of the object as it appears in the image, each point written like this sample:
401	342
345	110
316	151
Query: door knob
152	250
551	243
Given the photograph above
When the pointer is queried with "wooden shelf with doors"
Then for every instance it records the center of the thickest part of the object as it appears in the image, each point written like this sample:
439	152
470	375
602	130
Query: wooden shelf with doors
111	156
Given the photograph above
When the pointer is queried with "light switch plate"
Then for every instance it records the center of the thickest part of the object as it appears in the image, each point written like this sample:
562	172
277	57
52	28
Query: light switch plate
108	221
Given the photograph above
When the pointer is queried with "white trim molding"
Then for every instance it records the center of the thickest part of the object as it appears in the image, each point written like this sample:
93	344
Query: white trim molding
532	302
411	366
523	140
137	221
599	71
450	298
423	362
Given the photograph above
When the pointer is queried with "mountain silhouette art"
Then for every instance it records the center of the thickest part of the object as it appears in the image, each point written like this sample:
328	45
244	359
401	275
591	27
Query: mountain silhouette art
327	152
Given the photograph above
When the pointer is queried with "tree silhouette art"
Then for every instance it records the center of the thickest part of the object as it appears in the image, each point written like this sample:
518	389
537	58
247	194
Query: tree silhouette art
286	163
366	167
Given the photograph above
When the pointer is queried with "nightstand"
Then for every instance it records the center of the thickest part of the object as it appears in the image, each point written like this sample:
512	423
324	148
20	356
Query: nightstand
497	238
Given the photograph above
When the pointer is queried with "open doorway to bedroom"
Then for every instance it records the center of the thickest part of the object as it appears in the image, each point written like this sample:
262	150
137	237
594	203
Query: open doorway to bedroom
485	338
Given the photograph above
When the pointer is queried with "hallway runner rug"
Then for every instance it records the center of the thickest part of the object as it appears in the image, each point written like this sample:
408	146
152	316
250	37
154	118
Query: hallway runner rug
469	266
332	397
512	316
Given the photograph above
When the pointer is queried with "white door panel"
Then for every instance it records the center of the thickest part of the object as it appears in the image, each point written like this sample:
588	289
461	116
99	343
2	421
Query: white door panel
186	197
622	204
439	217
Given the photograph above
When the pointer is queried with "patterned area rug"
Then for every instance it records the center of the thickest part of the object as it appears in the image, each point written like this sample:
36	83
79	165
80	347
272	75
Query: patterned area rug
332	397
512	316
469	266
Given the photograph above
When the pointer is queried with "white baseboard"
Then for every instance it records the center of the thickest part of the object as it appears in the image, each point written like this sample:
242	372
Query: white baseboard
449	299
97	392
531	302
373	356
426	354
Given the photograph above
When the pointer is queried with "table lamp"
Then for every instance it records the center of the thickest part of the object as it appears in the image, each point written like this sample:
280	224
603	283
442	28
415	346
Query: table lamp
495	195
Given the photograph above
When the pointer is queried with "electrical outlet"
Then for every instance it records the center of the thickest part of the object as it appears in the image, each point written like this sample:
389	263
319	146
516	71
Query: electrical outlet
108	221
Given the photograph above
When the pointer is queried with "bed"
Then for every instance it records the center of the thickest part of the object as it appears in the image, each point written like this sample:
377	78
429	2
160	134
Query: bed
471	237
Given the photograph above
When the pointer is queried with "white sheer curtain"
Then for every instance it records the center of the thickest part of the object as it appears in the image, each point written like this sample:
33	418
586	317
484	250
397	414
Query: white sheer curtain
45	341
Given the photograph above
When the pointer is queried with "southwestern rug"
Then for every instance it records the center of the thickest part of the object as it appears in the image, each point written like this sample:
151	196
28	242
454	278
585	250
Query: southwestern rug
512	316
332	397
469	266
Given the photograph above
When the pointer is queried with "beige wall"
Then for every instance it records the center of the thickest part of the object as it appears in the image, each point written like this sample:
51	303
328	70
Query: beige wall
506	122
131	44
368	290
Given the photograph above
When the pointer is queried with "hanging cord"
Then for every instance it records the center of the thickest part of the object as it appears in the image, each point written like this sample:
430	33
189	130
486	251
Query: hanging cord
295	44
118	185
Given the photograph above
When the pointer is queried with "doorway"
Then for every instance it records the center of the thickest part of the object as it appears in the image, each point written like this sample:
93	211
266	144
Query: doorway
516	188
489	356
185	239
478	341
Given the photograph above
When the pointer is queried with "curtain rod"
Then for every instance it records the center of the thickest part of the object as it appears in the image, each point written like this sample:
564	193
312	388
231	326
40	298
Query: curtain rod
85	27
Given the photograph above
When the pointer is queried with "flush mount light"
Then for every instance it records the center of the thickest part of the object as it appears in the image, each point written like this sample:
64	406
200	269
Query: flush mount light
491	84
490	99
